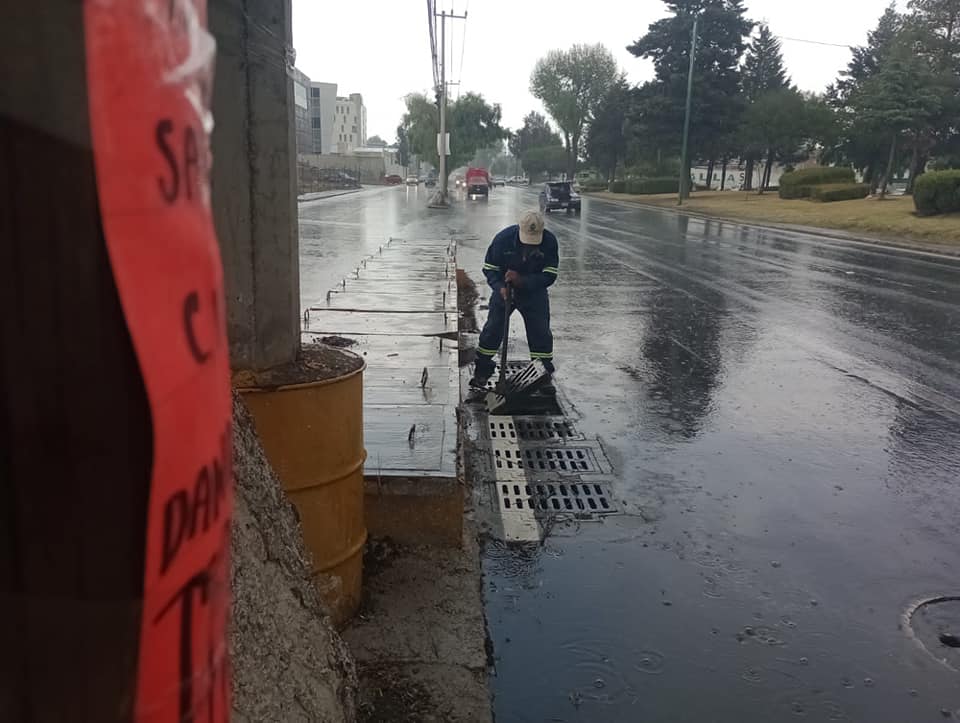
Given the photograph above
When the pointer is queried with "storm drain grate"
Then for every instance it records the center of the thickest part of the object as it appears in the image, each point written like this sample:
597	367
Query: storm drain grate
532	430
556	497
573	460
512	368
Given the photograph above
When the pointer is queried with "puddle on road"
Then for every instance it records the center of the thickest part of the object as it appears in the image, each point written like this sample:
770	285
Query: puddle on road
935	624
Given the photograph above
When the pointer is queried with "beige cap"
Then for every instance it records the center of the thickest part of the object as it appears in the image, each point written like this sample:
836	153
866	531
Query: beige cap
531	228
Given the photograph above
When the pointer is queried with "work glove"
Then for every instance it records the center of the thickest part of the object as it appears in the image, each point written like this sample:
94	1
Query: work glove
513	278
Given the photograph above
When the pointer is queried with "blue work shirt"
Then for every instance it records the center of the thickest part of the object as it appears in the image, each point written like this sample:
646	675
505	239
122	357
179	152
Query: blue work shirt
538	266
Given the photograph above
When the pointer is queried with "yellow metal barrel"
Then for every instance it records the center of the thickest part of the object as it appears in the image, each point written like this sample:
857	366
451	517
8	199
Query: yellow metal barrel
312	434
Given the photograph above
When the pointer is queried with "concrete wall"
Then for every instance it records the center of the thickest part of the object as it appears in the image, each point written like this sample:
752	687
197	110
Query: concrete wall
370	169
254	180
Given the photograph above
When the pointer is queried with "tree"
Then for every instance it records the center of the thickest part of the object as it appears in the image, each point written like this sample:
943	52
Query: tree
716	76
403	146
777	125
535	133
935	29
376	142
571	83
762	73
763	69
550	160
900	96
607	134
471	122
484	157
859	144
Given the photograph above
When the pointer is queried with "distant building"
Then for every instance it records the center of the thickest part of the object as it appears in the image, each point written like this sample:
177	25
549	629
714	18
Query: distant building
327	123
301	108
323	103
736	174
349	124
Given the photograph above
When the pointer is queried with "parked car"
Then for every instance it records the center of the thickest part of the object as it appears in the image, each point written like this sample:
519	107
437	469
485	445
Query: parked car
413	181
392	179
557	195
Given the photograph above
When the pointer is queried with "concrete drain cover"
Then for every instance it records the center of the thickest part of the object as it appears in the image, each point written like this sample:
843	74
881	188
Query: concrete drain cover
543	429
935	624
532	462
556	497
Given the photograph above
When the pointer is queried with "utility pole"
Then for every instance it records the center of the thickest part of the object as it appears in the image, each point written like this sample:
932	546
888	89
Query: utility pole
684	157
442	143
440	200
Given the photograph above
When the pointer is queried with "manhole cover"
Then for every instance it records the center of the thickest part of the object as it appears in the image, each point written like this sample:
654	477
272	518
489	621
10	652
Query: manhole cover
935	625
556	497
541	461
532	430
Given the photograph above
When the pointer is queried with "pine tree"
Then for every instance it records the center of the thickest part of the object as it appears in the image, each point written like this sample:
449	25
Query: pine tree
763	74
862	145
763	69
716	76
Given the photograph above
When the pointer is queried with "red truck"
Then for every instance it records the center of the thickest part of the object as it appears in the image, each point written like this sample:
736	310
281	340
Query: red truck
478	183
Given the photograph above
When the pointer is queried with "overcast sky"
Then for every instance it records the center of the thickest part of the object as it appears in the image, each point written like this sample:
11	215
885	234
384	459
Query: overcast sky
382	49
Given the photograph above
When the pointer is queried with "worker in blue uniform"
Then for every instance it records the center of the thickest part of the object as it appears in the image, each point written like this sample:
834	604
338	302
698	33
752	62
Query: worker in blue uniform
522	260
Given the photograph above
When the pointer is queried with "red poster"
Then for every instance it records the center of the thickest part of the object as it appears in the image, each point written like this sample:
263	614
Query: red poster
149	76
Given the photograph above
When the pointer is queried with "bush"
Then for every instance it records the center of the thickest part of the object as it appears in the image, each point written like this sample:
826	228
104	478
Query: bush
937	192
593	185
791	191
799	184
618	187
646	186
840	191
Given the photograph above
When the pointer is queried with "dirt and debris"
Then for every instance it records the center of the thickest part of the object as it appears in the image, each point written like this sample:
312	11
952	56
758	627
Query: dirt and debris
389	696
340	342
316	362
420	638
288	662
467	297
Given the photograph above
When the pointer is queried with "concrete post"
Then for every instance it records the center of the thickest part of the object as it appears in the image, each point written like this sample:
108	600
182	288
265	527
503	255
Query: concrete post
254	179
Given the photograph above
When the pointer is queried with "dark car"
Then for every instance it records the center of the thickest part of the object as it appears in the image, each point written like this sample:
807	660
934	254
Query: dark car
558	195
392	179
430	182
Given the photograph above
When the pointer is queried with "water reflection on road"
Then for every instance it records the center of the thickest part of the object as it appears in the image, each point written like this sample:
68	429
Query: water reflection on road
783	412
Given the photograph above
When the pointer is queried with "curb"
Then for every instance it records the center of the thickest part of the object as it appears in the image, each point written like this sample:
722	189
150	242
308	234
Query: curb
300	199
839	235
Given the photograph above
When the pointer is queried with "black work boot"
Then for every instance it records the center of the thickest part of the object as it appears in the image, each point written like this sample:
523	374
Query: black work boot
479	380
547	389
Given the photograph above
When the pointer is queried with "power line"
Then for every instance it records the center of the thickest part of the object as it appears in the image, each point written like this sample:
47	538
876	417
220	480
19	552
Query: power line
463	46
815	42
432	27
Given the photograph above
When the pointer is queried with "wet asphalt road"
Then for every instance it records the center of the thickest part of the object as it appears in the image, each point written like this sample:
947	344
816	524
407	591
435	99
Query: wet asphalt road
783	415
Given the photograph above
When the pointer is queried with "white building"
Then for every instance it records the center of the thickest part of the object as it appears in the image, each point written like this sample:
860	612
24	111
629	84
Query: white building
349	124
736	174
323	101
338	124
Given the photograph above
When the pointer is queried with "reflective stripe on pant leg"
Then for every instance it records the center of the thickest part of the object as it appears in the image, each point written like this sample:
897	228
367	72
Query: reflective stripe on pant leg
490	337
536	319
